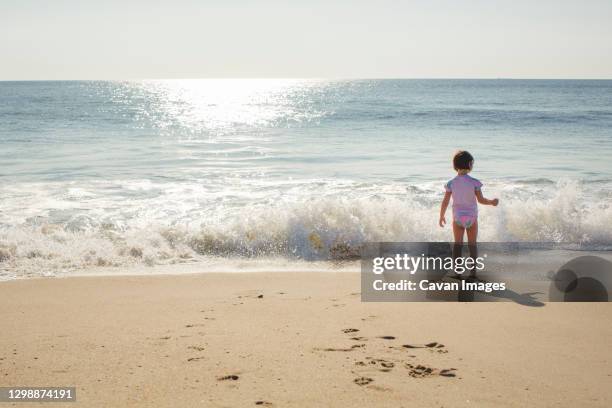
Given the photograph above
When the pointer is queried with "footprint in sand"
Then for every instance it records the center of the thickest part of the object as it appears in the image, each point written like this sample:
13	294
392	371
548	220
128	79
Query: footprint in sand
264	403
362	380
349	330
421	371
353	347
448	372
358	338
428	345
387	337
433	346
197	348
436	347
377	363
194	358
231	377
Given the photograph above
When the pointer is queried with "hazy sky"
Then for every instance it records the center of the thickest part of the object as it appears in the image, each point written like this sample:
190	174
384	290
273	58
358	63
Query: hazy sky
82	39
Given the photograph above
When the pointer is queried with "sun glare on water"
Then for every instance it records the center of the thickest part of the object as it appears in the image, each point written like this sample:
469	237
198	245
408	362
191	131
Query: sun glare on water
223	105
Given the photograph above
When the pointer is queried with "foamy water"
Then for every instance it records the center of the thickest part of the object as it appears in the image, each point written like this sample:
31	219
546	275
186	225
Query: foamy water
99	177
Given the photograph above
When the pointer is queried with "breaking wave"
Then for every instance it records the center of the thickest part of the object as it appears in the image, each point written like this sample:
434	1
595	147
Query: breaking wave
327	228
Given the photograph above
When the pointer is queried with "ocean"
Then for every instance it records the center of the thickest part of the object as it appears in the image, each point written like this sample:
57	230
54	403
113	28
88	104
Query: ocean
103	176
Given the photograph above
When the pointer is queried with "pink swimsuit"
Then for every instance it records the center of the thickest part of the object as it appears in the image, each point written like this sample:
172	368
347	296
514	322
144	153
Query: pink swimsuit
465	207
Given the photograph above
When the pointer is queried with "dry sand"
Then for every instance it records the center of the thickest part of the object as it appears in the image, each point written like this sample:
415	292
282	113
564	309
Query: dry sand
294	339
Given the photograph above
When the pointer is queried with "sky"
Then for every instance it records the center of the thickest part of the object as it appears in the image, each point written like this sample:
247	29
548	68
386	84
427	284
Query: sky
83	39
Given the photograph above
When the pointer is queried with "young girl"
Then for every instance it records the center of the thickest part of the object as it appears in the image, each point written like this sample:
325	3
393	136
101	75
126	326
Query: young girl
465	191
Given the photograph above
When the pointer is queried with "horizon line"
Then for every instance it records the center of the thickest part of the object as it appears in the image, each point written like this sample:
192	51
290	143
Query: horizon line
312	78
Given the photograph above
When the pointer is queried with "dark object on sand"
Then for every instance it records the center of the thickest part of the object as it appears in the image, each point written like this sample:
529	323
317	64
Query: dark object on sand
583	279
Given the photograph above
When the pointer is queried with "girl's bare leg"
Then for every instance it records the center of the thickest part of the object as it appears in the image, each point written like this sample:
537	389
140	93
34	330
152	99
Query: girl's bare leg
458	231
472	235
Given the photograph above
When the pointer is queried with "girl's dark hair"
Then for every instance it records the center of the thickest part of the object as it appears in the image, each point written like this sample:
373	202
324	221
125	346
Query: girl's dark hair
462	160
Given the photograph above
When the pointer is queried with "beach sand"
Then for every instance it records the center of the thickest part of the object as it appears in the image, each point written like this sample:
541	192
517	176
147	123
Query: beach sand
294	339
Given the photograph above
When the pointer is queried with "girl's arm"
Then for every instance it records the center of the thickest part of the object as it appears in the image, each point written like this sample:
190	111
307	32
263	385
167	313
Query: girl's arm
443	208
485	201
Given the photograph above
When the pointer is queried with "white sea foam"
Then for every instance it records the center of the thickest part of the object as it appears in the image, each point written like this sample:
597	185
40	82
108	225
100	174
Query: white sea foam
306	227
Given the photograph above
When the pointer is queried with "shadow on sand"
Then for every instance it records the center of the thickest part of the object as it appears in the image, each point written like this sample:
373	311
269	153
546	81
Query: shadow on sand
525	299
